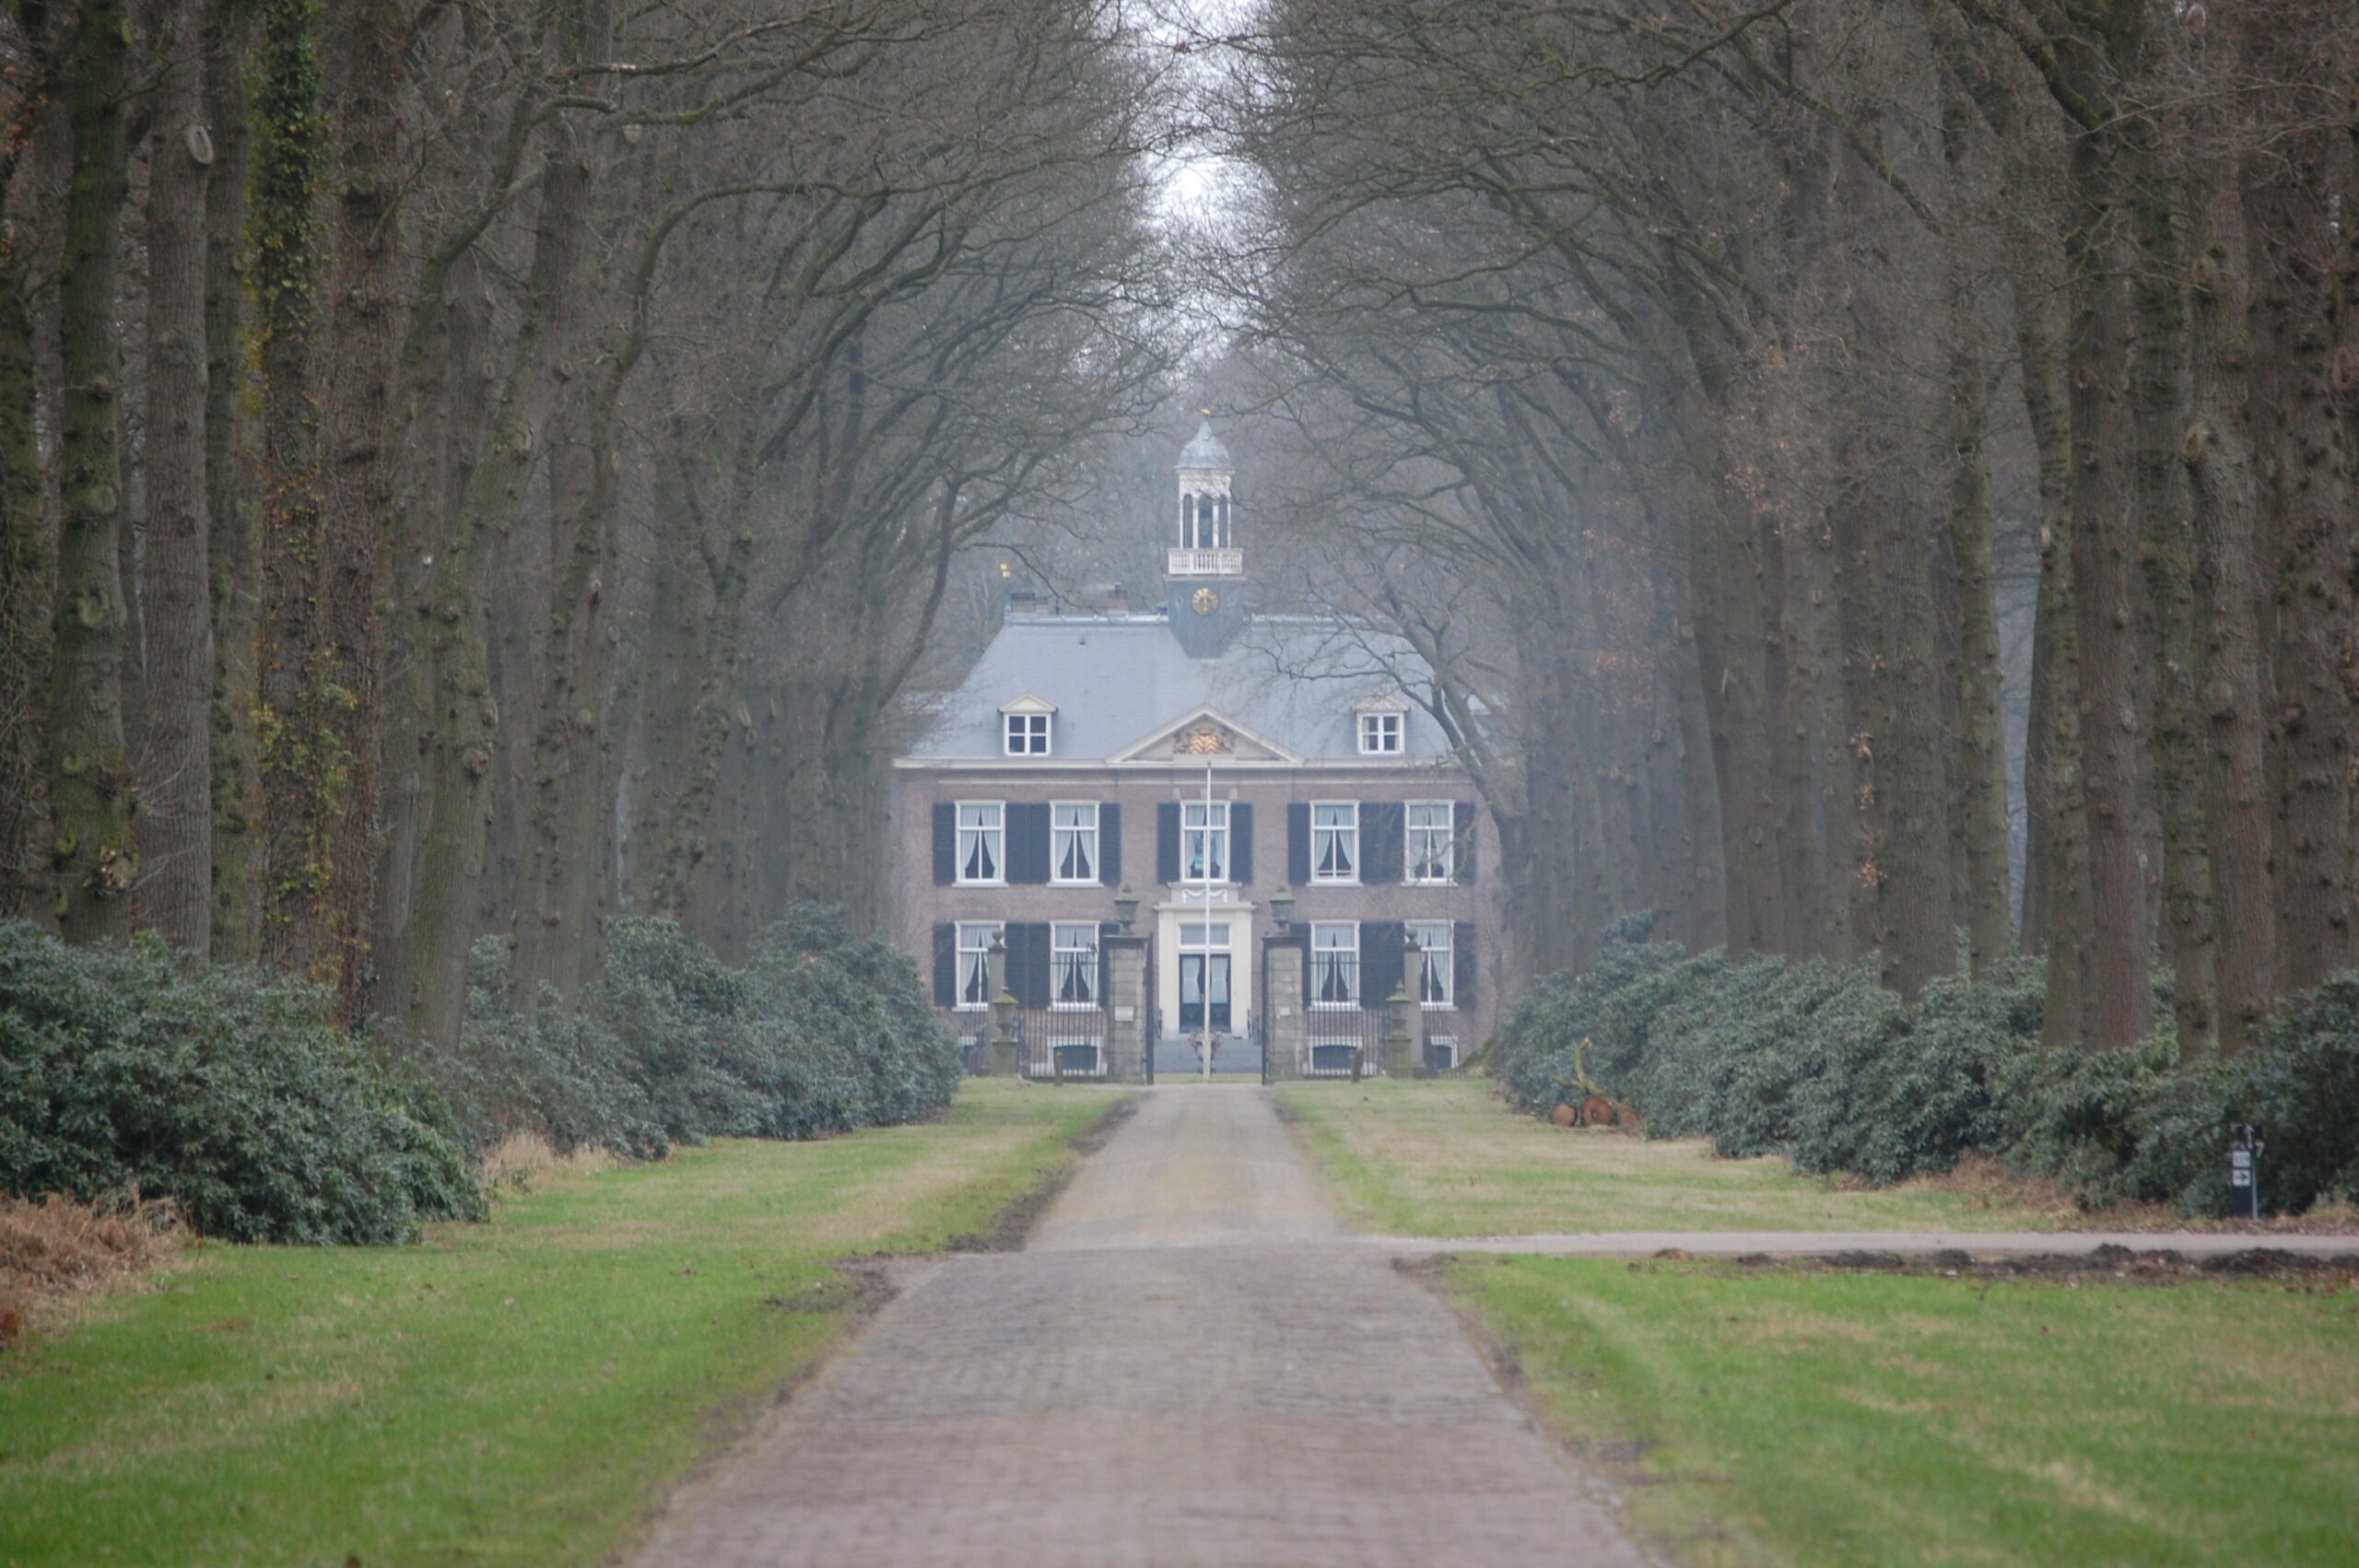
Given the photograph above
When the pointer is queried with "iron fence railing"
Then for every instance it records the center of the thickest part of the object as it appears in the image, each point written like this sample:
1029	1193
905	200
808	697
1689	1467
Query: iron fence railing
1047	1038
1332	1036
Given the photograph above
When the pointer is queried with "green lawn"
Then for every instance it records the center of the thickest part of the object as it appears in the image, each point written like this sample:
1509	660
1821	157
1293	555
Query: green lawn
1448	1158
518	1392
1781	1416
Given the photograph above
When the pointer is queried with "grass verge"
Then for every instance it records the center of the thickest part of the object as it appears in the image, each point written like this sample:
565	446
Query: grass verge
1797	1416
521	1392
1447	1158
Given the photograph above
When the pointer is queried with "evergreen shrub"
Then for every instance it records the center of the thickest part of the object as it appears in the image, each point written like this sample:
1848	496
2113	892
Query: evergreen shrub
234	1092
229	1090
1820	1062
820	1031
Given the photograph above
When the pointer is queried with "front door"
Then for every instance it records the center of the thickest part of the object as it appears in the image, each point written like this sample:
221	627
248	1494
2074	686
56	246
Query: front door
1194	990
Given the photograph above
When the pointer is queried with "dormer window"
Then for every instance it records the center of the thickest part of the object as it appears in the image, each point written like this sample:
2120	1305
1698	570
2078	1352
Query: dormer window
1380	734
1028	735
1024	725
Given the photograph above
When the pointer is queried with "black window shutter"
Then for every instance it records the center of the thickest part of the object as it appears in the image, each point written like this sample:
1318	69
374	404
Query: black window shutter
1380	956
1461	961
1109	843
1383	827
1461	829
1029	975
945	965
945	843
1027	841
1240	842
1167	841
1298	843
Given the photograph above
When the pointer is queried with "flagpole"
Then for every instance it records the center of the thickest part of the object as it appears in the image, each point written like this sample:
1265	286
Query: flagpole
1204	985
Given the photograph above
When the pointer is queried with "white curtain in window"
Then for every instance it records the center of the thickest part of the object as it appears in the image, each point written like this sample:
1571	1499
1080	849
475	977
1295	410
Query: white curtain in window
975	965
978	842
1429	847
1435	970
1203	840
1073	964
1075	846
1335	842
1335	964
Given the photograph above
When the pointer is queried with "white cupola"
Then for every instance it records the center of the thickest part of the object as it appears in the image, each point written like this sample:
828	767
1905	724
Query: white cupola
1207	545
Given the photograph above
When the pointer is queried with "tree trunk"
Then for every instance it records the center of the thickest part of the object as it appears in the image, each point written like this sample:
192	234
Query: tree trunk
1706	923
2308	500
449	388
176	892
2119	1009
677	615
356	520
2056	874
710	722
2218	453
2306	490
1860	590
561	887
1987	909
450	707
91	793
234	593
27	568
304	763
1816	869
1921	942
2166	554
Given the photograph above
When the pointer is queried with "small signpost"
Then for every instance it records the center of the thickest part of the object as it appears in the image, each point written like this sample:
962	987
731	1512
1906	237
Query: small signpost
2244	1173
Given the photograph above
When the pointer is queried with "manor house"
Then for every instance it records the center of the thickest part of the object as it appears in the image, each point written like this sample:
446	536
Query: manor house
1245	792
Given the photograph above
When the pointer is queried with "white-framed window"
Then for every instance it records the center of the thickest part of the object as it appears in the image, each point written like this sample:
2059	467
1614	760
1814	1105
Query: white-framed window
982	829
1203	841
1193	935
975	962
1335	964
1028	735
1380	734
1431	852
1441	1052
1435	961
1073	964
1334	841
1073	847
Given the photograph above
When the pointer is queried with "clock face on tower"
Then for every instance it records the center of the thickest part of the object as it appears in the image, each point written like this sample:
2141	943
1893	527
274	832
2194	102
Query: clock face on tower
1204	601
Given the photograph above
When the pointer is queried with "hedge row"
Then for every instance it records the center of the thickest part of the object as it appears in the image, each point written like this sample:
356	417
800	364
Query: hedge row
821	1032
1817	1061
234	1092
229	1090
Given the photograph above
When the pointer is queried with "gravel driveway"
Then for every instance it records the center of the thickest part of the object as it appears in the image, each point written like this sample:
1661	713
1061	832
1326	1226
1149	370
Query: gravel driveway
1190	1364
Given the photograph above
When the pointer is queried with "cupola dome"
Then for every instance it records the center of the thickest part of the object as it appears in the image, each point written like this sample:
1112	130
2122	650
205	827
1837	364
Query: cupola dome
1205	451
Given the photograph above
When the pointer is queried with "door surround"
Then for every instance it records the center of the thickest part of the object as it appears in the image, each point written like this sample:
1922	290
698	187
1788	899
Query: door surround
1225	909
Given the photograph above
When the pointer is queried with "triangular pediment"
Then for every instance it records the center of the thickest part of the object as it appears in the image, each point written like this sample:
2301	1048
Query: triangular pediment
1205	734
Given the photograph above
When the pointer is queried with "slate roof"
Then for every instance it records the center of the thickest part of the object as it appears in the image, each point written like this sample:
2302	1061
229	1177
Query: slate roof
1117	679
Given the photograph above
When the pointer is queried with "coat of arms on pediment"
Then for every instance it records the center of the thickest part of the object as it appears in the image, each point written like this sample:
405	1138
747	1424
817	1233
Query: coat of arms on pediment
1202	734
1204	739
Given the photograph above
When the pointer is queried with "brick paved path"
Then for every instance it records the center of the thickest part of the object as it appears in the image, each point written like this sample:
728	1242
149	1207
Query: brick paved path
1190	1365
